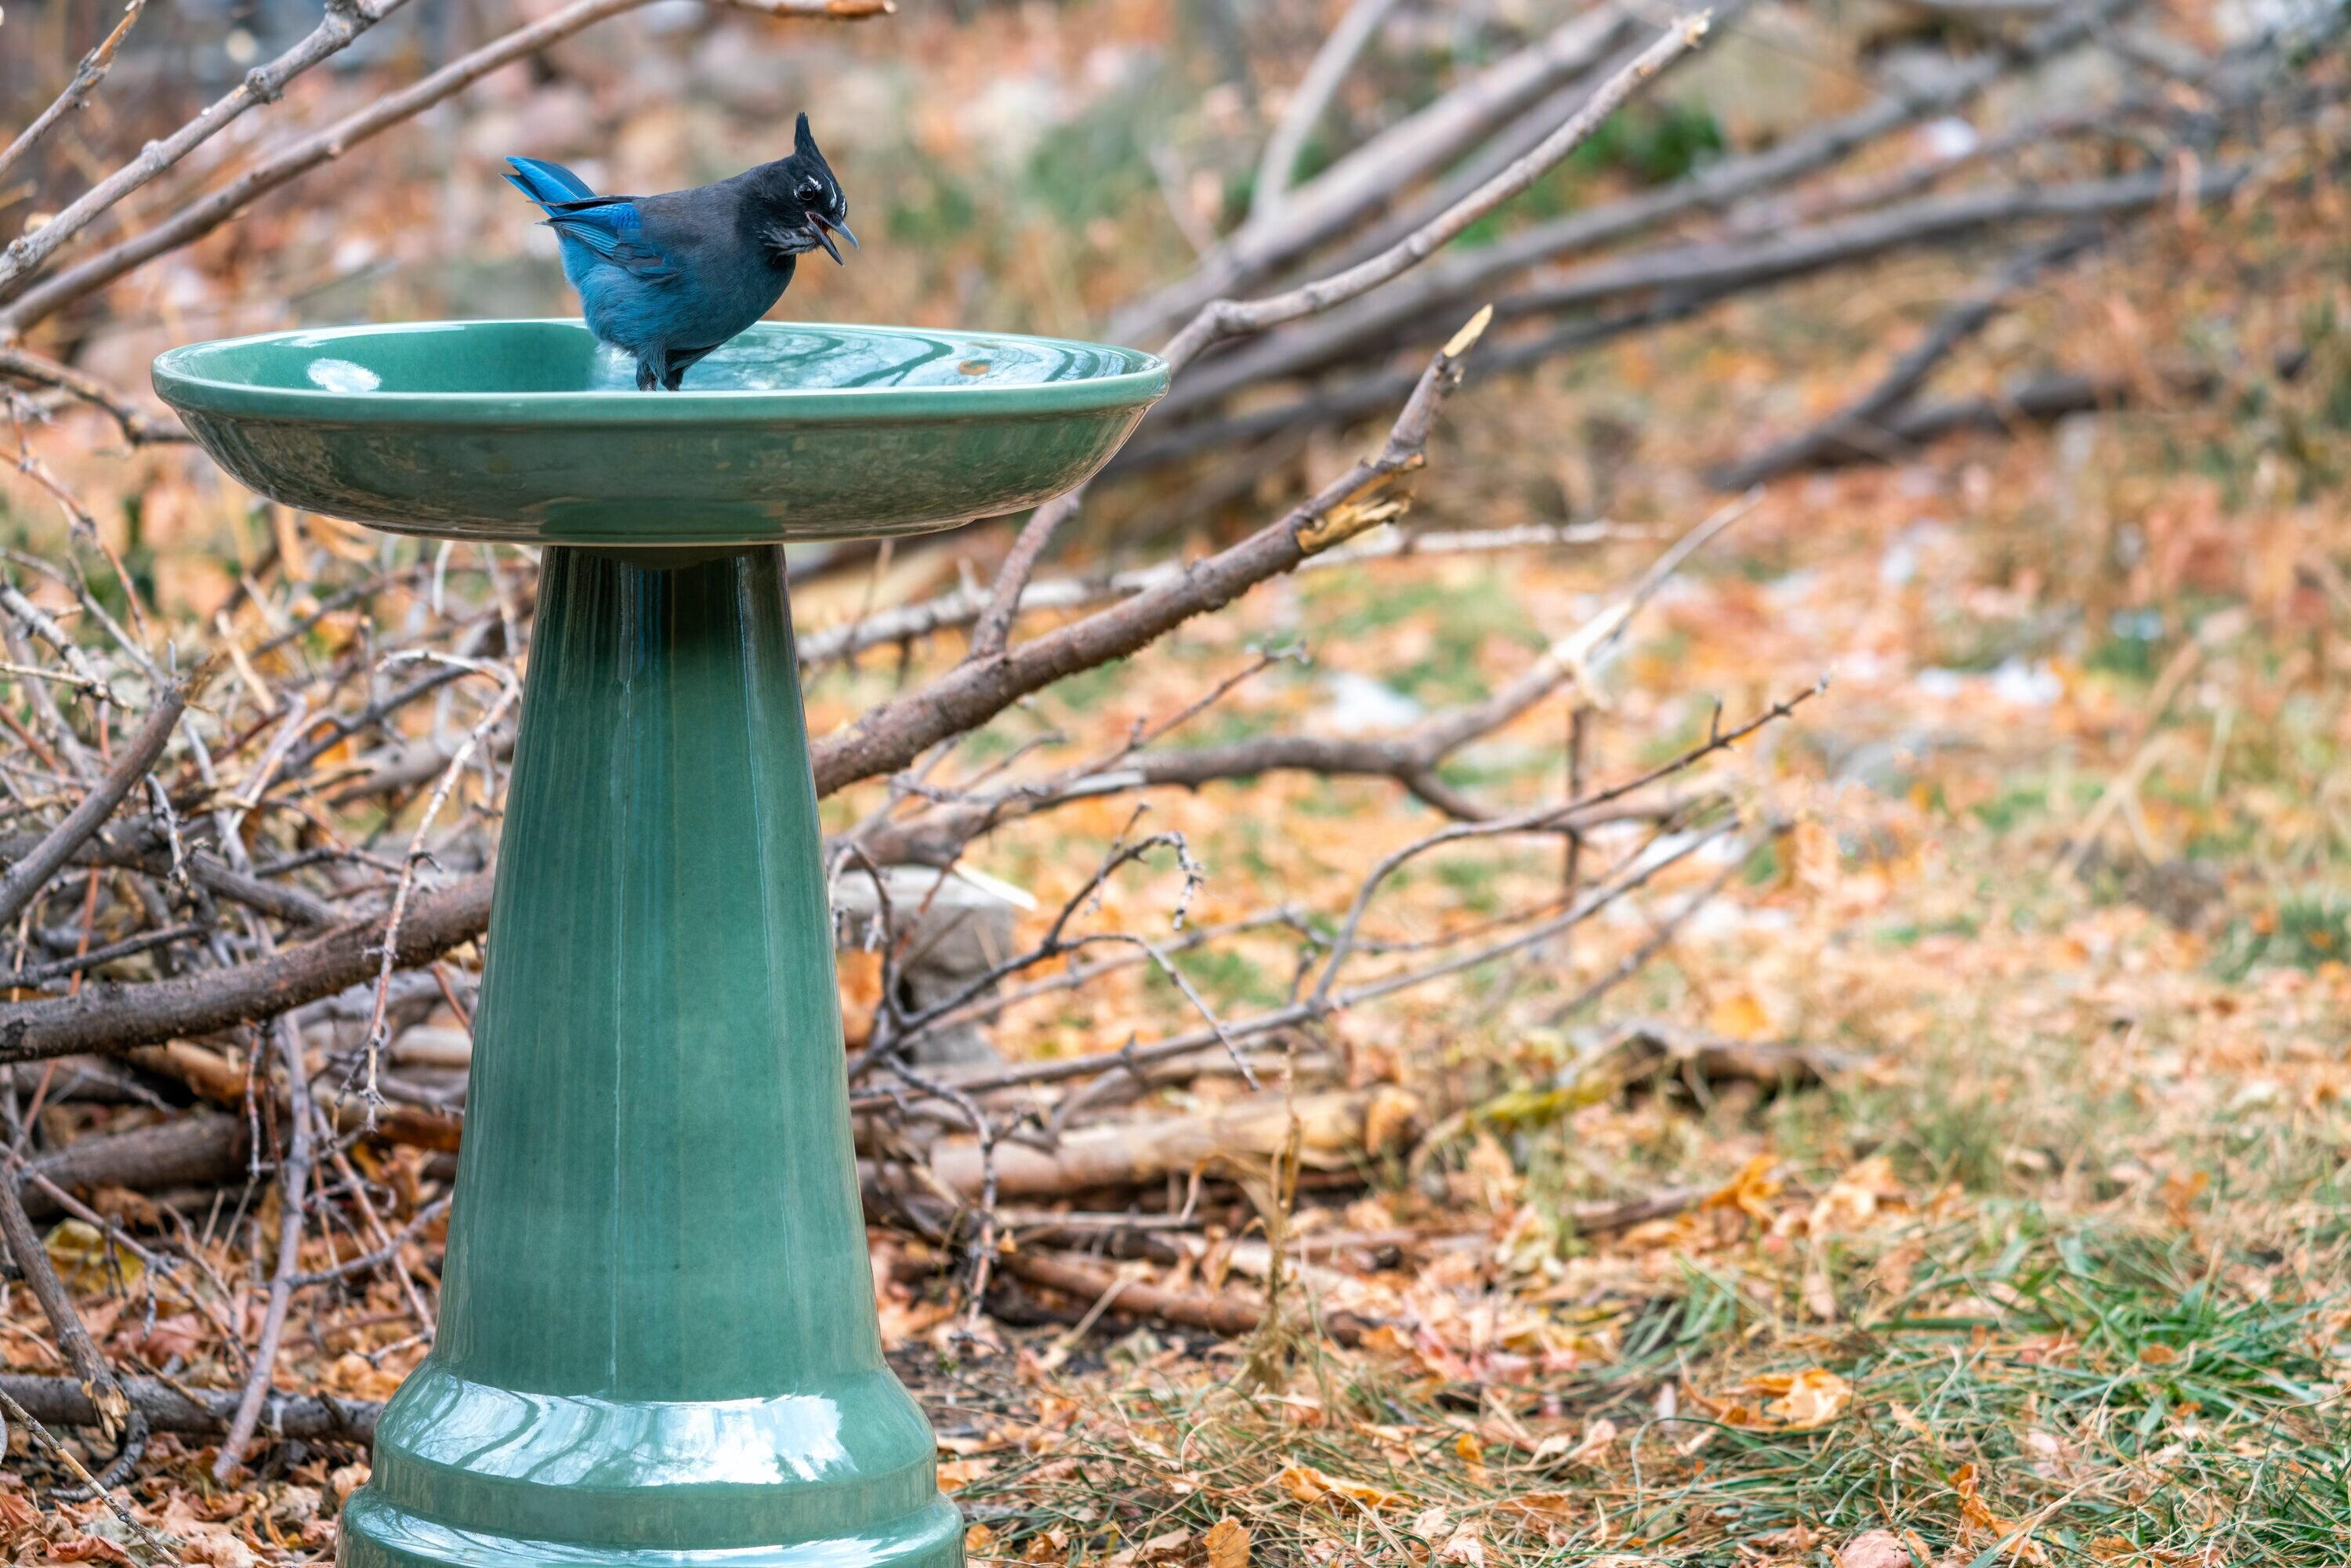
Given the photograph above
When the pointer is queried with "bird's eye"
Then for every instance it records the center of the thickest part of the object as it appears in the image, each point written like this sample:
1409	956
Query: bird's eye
810	189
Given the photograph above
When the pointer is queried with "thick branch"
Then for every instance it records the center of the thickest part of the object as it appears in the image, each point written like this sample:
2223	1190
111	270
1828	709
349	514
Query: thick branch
1860	426
201	1412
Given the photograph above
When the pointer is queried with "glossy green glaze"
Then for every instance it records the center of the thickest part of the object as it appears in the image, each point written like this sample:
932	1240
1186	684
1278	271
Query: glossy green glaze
657	1344
528	432
657	1340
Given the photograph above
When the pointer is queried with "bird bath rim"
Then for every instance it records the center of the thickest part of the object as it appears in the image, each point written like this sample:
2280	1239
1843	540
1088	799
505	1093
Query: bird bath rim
180	378
524	432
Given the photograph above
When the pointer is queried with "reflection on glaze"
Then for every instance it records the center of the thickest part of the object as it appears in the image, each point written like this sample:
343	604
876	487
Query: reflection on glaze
374	1532
342	376
783	358
542	356
569	1441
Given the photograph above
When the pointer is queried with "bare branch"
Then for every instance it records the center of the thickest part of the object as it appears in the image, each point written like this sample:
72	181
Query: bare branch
1230	317
201	217
1324	76
344	21
138	427
86	78
27	876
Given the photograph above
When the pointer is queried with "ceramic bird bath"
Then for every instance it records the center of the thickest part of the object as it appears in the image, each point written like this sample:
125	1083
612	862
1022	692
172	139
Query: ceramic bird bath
657	1342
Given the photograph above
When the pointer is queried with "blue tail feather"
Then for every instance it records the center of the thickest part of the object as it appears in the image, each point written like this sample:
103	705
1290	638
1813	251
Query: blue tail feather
546	183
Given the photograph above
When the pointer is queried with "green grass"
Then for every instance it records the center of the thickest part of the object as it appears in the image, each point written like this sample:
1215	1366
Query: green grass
2107	1389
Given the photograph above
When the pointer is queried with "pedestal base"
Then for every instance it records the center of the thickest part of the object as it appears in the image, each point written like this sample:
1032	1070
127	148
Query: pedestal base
657	1342
382	1536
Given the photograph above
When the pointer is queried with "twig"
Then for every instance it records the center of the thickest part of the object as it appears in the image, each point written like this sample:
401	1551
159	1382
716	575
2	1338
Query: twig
118	1415
1231	1316
344	21
169	1407
293	1202
86	78
1223	318
1860	425
208	213
91	1486
960	607
29	875
138	427
379	1030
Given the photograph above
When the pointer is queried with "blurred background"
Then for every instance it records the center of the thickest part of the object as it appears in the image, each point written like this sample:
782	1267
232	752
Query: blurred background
1934	1151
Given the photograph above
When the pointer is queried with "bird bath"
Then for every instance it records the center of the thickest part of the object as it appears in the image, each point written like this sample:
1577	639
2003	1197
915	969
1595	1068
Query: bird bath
657	1340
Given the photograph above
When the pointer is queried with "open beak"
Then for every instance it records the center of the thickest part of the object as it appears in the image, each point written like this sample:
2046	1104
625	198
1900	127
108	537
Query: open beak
824	228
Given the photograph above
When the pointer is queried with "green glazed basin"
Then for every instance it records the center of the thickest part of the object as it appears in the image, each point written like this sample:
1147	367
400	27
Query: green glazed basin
657	1345
531	432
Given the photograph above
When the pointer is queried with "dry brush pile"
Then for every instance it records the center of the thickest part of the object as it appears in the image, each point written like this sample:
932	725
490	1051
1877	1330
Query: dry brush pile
248	863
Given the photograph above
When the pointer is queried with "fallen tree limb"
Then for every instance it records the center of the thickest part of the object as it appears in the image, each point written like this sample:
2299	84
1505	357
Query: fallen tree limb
106	1017
1332	1129
1860	426
204	1412
1710	267
1229	1315
196	1150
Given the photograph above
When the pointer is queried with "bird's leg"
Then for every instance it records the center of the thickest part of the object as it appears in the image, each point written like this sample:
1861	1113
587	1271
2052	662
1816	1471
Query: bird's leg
672	377
646	375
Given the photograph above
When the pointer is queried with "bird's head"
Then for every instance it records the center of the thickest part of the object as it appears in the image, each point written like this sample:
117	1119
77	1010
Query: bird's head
801	204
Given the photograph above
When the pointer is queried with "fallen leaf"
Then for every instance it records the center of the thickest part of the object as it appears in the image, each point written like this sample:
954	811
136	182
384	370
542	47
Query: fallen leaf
346	1480
1228	1544
86	1261
19	1521
1545	1506
1740	1016
1812	1398
1464	1546
958	1473
2014	1538
1863	1193
1309	1485
1391	1118
1597	1435
2180	1194
1751	1191
1880	1549
1473	1456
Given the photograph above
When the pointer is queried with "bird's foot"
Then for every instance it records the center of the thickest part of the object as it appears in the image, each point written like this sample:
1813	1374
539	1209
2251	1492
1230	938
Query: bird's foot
647	377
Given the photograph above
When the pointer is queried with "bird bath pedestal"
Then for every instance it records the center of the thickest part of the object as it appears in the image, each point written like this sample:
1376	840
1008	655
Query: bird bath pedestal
657	1342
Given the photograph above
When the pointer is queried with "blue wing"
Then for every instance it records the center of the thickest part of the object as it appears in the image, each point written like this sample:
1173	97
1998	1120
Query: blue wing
612	228
594	228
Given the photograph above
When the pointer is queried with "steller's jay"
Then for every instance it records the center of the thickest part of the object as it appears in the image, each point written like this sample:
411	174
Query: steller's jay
670	278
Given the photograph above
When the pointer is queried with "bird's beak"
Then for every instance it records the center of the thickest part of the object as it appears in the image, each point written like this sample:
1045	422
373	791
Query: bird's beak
822	225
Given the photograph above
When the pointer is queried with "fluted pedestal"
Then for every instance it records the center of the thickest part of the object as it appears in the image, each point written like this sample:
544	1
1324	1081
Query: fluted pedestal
657	1342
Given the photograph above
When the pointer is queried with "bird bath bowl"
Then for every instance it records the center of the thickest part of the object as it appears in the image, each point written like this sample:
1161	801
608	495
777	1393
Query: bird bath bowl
657	1342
